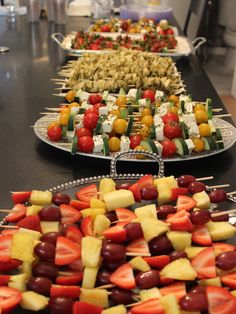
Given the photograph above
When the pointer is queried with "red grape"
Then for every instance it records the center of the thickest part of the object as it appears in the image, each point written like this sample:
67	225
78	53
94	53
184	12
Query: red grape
51	213
200	217
164	210
41	285
119	296
133	231
178	254
50	237
217	196
45	251
60	198
149	193
113	252
194	302
42	269
226	260
160	245
196	187
148	279
61	305
185	180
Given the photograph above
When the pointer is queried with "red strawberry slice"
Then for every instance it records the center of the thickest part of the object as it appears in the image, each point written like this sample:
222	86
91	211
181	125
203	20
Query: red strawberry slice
79	205
221	247
5	248
74	234
76	265
116	234
69	214
73	279
180	221
9	265
146	181
31	222
66	251
123	277
86	193
164	281
139	246
178	289
20	197
125	215
151	306
201	235
9	231
4	279
158	262
18	212
229	279
204	263
64	291
9	298
185	203
80	307
86	226
135	189
220	300
176	192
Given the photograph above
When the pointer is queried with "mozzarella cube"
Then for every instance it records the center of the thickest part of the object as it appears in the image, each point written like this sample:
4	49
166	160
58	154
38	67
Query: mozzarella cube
124	143
159	133
185	98
132	93
70	135
193	130
189	118
190	145
85	105
158	120
143	103
103	111
107	125
98	143
159	94
84	96
78	93
164	109
188	107
159	147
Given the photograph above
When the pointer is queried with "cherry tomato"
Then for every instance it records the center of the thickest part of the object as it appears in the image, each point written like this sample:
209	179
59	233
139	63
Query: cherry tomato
120	126
148	93
198	144
90	121
105	28
92	110
147	120
201	116
169	31
54	133
73	104
94	99
172	130
170	117
70	95
83	132
114	144
204	129
144	132
54	123
135	140
169	148
99	105
85	144
121	101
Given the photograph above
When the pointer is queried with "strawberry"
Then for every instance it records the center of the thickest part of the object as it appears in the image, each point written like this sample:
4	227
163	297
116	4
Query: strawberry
64	291
4	279
221	247
71	278
179	221
20	197
86	226
220	300
135	189
79	204
151	306
201	235
229	280
185	203
31	222
5	248
9	265
18	212
116	234
76	265
9	298
80	307
139	246
86	193
177	288
164	281
146	181
74	234
9	231
66	251
204	263
158	261
123	277
176	192
69	214
125	215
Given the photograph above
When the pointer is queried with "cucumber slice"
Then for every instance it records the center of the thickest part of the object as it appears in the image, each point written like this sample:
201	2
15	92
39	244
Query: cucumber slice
185	131
212	127
208	102
182	105
129	126
150	145
209	143
138	95
104	96
182	148
106	150
123	113
130	108
71	121
81	110
209	112
219	137
98	129
64	131
122	92
152	134
74	145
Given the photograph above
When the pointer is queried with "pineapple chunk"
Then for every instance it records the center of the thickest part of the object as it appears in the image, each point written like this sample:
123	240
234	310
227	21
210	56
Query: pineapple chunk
101	223
233	293
22	247
192	251
41	197
139	263
49	226
210	282
106	185
93	212
33	210
147	211
89	277
26	268
33	301
91	251
202	199
118	309
170	304
147	294
18	282
179	269
96	203
35	234
97	297
164	193
187	312
171	181
222	230
153	228
180	240
119	198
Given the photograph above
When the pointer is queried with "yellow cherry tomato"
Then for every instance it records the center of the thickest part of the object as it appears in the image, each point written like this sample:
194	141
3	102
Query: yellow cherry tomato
198	143
121	101
52	124
146	112
173	109
120	126
147	120
144	132
201	116
70	96
114	144
174	98
199	107
65	110
115	112
204	129
140	147
63	119
74	104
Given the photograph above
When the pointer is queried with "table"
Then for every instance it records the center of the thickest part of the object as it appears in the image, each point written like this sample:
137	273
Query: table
26	89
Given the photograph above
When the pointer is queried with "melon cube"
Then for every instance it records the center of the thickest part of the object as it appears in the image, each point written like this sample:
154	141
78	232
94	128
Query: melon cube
101	224
96	203
192	251
33	210
210	282
18	282
93	212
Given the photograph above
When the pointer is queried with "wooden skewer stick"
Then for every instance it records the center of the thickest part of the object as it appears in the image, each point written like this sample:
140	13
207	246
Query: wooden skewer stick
222	115
133	304
231	193
60	95
217	109
109	286
9	227
224	127
5	210
231	211
58	80
204	178
218	186
137	254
